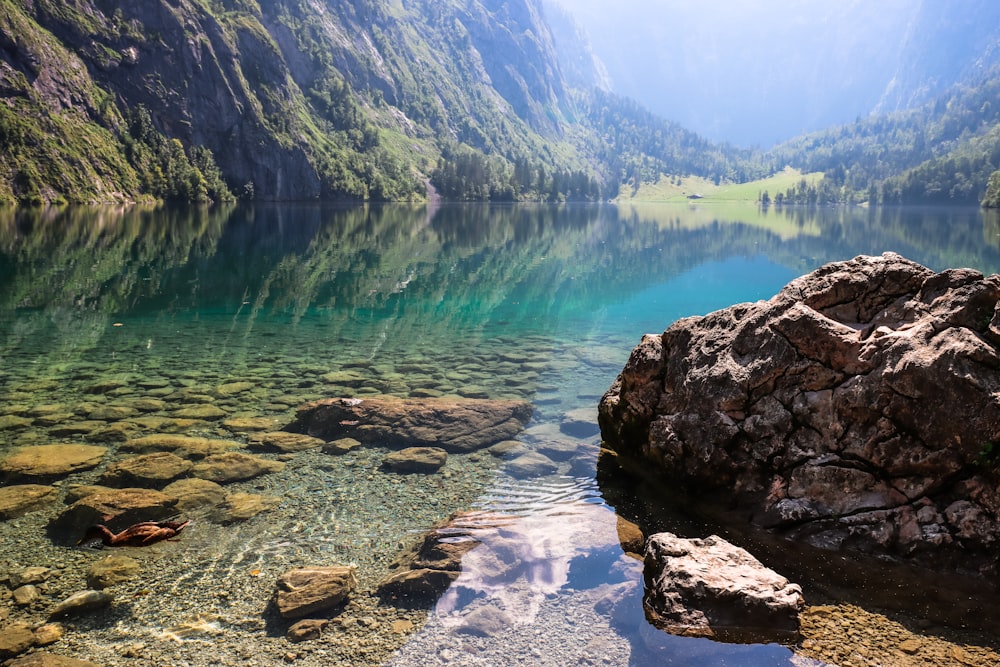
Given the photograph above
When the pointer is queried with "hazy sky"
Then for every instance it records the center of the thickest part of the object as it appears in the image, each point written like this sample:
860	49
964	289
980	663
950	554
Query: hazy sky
750	71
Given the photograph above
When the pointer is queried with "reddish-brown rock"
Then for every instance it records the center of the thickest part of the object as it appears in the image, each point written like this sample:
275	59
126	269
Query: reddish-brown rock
309	590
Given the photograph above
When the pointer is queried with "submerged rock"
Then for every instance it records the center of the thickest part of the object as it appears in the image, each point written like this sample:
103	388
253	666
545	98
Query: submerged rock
530	464
428	567
111	570
182	445
309	590
152	470
416	460
342	446
234	467
285	442
243	506
80	602
858	408
193	493
453	424
118	508
23	498
15	639
51	460
49	660
711	588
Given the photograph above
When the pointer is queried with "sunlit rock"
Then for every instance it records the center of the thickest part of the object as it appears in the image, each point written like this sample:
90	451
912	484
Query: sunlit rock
416	460
234	466
182	445
858	408
23	498
193	493
81	602
51	460
146	470
242	506
285	442
15	639
711	588
309	590
111	570
40	659
342	446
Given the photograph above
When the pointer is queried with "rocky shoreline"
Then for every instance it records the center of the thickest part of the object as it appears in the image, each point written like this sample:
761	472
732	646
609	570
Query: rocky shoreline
855	410
294	502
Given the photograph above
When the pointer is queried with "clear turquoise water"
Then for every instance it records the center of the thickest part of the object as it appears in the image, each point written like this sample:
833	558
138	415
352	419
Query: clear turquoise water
539	303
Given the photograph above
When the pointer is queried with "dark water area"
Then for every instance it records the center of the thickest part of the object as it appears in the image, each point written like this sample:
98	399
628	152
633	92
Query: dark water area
115	323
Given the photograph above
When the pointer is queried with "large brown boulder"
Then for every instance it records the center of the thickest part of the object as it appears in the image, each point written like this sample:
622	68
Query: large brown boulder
453	424
858	408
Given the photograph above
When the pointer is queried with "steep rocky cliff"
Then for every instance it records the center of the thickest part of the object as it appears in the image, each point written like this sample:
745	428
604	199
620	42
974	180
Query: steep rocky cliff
296	99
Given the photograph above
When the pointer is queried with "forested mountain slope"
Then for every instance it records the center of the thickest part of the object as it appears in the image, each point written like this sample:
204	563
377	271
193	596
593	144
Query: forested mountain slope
940	152
378	100
295	99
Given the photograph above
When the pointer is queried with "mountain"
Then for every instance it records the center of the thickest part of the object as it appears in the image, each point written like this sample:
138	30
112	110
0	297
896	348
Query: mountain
381	100
293	99
944	43
756	74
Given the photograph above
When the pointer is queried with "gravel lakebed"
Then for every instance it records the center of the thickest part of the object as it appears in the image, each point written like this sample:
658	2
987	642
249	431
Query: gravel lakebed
206	597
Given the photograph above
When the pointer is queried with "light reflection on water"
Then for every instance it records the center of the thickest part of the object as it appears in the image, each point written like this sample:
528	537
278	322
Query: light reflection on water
539	303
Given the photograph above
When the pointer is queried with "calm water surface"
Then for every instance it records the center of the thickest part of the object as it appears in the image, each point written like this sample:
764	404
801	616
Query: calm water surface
258	310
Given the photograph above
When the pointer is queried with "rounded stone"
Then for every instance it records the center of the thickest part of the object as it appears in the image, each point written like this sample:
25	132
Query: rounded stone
52	460
234	467
150	470
23	498
111	570
416	460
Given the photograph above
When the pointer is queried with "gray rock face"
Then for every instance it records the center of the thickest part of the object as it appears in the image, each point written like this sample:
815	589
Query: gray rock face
711	588
455	425
858	408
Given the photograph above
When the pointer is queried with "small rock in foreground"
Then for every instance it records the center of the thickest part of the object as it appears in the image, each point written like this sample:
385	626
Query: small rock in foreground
711	588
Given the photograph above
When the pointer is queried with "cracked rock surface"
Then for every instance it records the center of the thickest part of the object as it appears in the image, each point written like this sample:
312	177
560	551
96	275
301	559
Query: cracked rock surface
858	408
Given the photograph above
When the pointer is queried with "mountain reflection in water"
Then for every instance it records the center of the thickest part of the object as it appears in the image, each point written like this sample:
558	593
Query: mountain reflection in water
259	309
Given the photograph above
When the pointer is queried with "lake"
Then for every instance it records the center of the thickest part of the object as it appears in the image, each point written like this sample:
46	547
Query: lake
217	323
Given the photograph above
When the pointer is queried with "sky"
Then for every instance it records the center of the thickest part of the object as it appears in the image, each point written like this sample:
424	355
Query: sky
754	72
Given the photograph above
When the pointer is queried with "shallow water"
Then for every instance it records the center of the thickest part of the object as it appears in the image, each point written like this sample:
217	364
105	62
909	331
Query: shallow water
258	310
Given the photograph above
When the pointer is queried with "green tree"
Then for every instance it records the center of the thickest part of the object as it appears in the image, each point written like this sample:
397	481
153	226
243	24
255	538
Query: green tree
992	197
